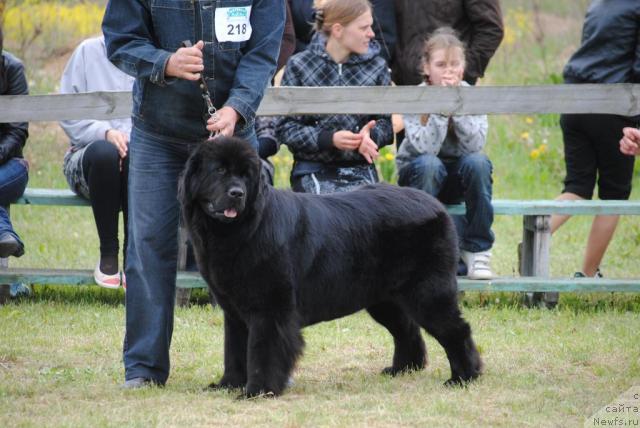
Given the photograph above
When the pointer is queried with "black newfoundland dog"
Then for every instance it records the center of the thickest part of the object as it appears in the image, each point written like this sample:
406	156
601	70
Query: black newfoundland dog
278	261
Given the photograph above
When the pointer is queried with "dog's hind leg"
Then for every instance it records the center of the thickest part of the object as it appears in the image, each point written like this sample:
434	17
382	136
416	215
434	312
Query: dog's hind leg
275	343
410	352
440	316
236	336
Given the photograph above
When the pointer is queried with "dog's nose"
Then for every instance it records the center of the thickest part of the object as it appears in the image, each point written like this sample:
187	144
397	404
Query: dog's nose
236	192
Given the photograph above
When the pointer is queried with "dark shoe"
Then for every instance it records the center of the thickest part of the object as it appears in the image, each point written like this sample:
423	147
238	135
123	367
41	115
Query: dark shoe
10	246
137	383
18	290
462	269
598	274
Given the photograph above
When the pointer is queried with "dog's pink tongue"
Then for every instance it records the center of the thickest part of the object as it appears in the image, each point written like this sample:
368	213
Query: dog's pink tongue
231	213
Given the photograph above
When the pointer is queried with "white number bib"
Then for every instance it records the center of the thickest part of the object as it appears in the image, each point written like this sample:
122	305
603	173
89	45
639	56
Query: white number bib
232	24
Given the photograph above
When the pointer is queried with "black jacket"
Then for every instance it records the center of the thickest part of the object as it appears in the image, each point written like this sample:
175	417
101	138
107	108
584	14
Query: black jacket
12	82
384	24
610	49
478	23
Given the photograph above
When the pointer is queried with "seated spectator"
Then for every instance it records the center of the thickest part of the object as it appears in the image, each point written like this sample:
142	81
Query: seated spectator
14	169
609	53
442	155
334	153
630	142
384	24
96	164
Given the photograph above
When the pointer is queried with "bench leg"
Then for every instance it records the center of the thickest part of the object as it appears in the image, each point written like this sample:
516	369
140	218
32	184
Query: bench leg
534	256
183	295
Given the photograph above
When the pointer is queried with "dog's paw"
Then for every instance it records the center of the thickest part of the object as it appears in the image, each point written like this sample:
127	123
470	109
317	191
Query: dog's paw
253	392
226	384
396	371
457	382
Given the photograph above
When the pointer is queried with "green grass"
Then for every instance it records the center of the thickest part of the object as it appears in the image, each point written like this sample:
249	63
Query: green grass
61	366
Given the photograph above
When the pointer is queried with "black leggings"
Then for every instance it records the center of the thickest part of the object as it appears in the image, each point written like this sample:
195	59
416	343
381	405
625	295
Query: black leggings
108	192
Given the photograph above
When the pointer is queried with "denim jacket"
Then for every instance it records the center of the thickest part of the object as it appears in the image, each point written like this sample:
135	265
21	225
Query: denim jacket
141	35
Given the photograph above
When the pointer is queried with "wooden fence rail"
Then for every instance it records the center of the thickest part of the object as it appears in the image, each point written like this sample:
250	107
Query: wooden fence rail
622	99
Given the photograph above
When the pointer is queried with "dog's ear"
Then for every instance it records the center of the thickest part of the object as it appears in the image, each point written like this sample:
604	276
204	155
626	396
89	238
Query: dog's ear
189	183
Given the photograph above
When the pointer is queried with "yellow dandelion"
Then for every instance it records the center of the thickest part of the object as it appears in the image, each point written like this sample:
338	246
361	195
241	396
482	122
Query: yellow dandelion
543	148
528	120
389	156
524	135
535	154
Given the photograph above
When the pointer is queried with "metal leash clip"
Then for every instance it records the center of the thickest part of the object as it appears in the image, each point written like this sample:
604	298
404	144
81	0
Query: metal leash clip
206	95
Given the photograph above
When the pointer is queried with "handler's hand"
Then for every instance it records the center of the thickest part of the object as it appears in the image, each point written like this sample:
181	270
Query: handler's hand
223	122
346	140
186	63
368	148
630	142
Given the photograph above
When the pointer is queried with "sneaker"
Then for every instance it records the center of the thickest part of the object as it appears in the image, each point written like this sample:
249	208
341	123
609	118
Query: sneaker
598	274
104	280
18	290
124	281
10	246
477	264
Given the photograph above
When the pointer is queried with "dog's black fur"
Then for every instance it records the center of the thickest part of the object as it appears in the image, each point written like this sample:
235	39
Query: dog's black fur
278	261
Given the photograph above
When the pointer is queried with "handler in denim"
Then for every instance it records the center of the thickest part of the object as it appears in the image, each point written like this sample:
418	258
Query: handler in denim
239	42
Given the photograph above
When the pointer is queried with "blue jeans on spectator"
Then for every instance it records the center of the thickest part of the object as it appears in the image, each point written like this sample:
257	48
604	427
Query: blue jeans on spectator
468	179
14	175
155	163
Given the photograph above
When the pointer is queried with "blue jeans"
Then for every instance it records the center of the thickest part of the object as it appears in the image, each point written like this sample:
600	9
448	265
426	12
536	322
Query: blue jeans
468	179
14	175
155	163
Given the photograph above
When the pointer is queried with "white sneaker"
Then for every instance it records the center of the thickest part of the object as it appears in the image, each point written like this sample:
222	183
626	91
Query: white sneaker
477	264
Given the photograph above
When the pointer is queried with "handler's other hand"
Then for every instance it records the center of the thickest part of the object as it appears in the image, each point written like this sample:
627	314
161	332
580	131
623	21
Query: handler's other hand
186	63
223	122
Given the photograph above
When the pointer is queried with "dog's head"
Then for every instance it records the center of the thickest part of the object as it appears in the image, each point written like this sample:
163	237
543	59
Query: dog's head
221	178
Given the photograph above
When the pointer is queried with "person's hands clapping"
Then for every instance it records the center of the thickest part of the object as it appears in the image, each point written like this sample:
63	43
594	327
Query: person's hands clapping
346	140
186	63
368	148
223	121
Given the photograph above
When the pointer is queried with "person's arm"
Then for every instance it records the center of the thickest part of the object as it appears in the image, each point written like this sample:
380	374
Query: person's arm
486	34
471	132
13	135
288	45
294	131
259	57
384	26
424	134
128	34
382	132
74	81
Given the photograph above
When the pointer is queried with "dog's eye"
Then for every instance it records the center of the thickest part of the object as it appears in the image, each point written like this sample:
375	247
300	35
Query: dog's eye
221	170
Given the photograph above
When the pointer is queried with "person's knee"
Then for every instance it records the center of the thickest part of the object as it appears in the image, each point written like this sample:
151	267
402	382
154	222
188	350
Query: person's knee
426	172
476	167
103	156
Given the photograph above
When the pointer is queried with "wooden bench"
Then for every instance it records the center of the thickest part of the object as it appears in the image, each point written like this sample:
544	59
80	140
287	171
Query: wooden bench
534	270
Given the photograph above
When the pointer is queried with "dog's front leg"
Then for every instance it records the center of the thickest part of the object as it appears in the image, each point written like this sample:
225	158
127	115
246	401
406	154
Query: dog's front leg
236	336
275	343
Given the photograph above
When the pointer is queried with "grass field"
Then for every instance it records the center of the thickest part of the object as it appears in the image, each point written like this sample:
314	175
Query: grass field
60	361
